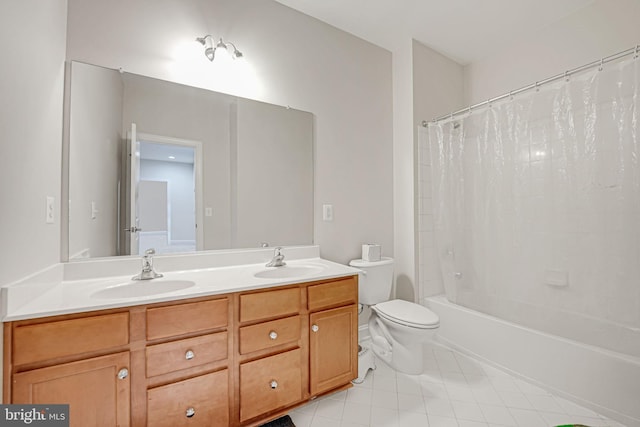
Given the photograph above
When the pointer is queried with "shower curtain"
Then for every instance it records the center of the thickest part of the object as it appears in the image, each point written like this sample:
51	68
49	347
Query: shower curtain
536	207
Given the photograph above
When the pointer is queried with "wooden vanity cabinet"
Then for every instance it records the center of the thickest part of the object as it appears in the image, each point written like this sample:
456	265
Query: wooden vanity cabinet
271	360
64	362
333	337
237	359
187	364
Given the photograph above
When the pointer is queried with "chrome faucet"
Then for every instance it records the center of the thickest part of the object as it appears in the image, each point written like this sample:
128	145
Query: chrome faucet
277	260
147	272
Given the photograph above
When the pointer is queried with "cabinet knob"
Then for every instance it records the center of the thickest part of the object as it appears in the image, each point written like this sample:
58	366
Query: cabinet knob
273	335
273	384
189	355
315	328
123	373
190	412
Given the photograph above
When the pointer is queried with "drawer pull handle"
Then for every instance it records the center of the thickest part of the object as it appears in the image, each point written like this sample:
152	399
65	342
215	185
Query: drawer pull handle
123	373
190	412
189	355
273	335
315	328
273	384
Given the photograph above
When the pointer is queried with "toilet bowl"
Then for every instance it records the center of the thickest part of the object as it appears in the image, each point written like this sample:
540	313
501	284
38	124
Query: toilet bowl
398	328
398	331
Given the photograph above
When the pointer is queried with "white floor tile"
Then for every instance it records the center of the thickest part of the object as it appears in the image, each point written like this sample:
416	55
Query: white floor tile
467	411
409	384
515	399
457	392
329	408
487	395
439	407
453	391
325	422
434	390
360	395
411	403
436	421
384	417
412	419
498	415
528	418
301	419
384	399
467	423
357	413
545	403
575	409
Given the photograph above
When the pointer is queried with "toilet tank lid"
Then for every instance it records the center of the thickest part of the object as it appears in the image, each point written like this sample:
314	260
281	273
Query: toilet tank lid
360	263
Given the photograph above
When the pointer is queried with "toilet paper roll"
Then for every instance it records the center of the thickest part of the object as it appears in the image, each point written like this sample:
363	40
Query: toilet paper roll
371	252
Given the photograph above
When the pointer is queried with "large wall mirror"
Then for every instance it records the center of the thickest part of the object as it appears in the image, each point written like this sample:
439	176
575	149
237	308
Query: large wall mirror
155	164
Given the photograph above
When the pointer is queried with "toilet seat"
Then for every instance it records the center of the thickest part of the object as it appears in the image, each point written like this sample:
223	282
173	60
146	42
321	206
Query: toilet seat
407	313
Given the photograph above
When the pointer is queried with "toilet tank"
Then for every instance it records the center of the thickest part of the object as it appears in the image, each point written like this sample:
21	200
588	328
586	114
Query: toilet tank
375	281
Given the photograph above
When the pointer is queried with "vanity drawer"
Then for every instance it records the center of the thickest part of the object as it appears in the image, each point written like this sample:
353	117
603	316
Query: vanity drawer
269	304
199	401
339	292
270	383
43	341
172	320
183	354
269	334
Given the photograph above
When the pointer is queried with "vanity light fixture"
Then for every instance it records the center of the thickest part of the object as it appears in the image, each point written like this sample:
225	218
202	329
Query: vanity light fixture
210	47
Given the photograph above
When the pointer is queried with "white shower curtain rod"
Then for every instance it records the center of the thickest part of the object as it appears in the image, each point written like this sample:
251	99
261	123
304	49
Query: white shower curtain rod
634	50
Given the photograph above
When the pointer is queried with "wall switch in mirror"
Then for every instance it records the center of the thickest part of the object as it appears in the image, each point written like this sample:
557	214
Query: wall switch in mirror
94	210
327	212
49	214
208	211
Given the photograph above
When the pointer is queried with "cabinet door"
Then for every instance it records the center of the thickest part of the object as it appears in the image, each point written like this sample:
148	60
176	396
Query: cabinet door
92	388
333	347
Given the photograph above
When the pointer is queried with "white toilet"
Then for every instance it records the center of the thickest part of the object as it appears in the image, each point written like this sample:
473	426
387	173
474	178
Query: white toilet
398	328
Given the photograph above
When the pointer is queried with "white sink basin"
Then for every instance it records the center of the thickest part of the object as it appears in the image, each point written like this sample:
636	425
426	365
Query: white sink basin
142	288
288	271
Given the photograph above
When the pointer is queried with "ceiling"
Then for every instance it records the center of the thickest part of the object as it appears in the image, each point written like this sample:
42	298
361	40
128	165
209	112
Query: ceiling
463	30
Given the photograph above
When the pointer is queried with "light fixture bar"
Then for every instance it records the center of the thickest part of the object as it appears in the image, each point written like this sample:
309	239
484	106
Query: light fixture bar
210	47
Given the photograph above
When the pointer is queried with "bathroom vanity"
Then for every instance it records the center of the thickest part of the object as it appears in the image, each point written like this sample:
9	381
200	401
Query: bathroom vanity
232	358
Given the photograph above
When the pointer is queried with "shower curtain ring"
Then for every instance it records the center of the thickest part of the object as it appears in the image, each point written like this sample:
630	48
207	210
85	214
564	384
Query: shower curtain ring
566	76
601	67
537	86
510	95
637	52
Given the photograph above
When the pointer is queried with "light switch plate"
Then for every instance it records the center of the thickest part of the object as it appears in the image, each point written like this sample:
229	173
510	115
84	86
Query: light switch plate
50	213
327	212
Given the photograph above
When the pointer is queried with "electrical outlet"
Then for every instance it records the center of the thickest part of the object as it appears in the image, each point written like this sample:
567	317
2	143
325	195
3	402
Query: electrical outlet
50	213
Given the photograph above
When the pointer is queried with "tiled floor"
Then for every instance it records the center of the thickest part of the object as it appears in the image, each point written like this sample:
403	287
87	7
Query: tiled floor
454	391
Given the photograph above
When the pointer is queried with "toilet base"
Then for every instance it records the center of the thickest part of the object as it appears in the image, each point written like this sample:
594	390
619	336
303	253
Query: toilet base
398	346
366	361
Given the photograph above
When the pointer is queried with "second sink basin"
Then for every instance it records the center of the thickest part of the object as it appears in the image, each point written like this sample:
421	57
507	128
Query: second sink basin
142	288
288	271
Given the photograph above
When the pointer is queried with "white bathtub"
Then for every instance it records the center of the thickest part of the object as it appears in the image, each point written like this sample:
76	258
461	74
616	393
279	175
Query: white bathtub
602	380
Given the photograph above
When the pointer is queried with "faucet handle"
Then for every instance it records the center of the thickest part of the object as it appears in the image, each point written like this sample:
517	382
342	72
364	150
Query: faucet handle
150	251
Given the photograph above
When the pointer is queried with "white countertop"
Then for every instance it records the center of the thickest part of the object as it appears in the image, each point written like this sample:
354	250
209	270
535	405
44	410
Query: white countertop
74	296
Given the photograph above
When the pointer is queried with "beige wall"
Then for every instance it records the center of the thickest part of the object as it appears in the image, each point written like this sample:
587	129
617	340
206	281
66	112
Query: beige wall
603	28
95	129
291	60
273	174
32	42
